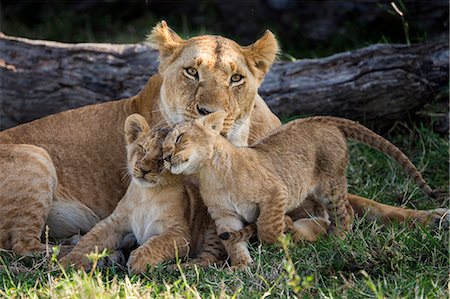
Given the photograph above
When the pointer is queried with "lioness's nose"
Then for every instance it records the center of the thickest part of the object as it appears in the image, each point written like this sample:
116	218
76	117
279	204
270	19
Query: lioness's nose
202	110
168	158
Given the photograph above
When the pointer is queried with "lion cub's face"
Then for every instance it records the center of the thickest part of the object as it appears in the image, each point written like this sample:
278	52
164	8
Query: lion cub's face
191	143
144	152
210	73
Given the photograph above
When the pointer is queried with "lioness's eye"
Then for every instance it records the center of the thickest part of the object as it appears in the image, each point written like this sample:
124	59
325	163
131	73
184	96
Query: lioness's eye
191	73
236	78
178	138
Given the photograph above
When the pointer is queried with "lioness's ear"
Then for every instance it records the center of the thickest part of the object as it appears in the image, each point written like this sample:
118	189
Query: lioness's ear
262	54
135	125
214	120
165	40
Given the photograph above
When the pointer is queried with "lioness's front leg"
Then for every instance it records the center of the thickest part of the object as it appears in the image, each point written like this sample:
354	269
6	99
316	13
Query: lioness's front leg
106	234
174	242
271	219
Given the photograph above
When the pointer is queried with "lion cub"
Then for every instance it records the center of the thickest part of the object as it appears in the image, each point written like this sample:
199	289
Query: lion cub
154	208
305	159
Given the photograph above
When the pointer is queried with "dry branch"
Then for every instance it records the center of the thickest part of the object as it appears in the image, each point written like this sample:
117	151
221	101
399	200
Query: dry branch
378	84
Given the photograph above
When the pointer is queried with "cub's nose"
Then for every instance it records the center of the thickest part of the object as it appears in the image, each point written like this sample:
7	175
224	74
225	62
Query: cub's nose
144	171
202	110
168	158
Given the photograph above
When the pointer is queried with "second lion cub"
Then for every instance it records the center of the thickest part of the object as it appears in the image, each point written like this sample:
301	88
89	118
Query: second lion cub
305	159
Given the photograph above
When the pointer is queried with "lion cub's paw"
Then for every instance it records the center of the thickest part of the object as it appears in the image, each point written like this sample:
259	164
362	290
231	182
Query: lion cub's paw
139	263
243	261
204	263
136	265
76	261
244	267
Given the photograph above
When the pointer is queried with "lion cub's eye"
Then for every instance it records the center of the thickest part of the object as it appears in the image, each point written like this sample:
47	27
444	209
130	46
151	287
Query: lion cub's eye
178	138
191	73
237	79
142	149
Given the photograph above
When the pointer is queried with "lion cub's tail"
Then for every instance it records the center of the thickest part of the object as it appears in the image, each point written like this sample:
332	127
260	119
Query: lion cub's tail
244	234
358	132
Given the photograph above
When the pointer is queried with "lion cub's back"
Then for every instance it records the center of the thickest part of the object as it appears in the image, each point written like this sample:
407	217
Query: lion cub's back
303	147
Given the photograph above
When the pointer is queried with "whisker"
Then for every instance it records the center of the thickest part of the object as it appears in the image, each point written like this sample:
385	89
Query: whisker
126	176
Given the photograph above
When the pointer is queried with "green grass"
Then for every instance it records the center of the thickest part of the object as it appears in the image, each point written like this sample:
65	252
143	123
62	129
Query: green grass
395	261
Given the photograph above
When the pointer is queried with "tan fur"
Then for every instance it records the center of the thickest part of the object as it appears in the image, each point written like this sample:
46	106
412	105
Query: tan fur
312	222
86	146
31	174
155	208
303	159
250	230
216	60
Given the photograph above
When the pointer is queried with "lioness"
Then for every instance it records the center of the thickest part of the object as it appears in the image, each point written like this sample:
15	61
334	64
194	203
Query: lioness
69	176
261	183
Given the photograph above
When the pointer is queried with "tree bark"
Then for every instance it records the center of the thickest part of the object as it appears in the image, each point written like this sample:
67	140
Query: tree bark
378	84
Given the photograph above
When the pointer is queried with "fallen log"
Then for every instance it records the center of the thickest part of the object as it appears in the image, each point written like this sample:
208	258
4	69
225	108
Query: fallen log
377	85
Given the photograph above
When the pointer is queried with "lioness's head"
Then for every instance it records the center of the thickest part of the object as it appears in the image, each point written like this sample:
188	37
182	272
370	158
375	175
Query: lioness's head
144	152
191	143
209	73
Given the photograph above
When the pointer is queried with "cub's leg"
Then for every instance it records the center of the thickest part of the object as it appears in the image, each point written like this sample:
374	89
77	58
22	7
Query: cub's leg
338	207
251	230
213	251
167	246
385	213
108	233
27	182
238	252
271	216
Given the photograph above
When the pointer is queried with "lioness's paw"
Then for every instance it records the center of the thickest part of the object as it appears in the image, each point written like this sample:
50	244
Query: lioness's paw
28	247
440	218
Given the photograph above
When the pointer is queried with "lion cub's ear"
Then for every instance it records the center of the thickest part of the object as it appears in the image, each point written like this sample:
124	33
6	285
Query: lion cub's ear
135	125
214	120
165	40
262	54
